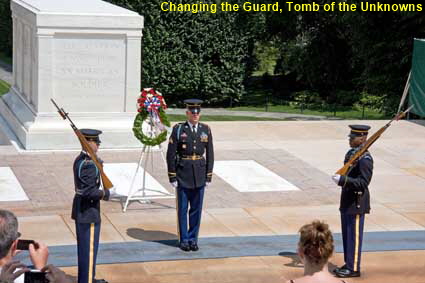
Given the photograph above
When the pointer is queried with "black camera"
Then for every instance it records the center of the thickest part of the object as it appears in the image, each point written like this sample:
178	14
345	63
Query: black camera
25	244
35	276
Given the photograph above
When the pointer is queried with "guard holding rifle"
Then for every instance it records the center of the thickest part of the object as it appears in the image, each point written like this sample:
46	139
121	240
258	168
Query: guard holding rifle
355	201
89	177
86	208
190	160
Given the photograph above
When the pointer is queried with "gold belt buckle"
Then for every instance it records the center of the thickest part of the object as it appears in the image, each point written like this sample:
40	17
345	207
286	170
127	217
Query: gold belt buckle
192	157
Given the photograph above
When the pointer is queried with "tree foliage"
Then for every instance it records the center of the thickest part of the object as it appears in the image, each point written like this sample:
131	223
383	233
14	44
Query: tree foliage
5	28
341	57
342	54
202	55
382	45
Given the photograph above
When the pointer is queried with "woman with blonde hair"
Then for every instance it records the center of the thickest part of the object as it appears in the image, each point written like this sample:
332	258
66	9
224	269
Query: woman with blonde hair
315	247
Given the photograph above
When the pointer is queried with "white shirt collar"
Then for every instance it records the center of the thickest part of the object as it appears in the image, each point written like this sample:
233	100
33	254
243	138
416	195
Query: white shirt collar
191	125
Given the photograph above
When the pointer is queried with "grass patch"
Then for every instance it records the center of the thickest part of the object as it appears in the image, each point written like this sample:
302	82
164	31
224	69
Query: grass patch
4	87
5	58
206	118
346	113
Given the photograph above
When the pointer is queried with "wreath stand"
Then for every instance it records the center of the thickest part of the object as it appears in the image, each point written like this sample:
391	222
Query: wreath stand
146	196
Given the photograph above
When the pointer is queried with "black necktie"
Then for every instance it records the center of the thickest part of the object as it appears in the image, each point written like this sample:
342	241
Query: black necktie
194	129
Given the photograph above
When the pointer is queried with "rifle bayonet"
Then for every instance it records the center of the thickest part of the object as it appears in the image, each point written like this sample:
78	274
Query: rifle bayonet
107	184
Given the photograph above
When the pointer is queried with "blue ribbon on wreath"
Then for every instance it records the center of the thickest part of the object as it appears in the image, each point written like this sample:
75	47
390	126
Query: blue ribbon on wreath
152	104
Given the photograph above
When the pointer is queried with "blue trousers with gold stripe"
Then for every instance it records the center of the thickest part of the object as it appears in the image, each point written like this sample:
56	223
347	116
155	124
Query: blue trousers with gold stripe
185	198
352	238
88	243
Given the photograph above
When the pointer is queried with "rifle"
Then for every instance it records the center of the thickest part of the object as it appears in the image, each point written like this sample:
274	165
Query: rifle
344	170
107	184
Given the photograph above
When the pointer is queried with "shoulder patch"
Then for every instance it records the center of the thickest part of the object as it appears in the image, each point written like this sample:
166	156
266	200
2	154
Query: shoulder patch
176	125
88	162
367	156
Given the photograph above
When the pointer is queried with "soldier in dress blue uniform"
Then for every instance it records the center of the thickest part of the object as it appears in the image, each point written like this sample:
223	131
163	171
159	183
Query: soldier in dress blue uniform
86	209
355	202
190	160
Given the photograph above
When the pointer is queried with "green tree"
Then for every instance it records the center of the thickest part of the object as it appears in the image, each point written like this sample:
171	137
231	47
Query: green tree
202	55
318	53
382	44
347	53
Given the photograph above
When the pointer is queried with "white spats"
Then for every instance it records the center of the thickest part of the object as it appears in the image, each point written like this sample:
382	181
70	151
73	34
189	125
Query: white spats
249	176
122	174
10	188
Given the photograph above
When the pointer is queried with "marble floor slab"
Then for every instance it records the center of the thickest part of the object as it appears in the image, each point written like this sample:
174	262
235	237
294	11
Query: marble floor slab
10	188
250	176
52	230
123	176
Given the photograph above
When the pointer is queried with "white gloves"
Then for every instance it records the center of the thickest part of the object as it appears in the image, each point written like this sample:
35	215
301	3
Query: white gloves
207	184
336	178
113	193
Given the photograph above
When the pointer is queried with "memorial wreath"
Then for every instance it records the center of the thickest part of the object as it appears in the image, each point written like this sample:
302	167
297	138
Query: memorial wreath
151	106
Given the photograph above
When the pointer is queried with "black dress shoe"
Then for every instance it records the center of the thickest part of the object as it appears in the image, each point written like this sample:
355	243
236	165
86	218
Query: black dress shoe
194	247
345	273
184	247
99	281
339	268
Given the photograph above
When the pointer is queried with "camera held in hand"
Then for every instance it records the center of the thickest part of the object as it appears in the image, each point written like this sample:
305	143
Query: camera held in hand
24	245
35	276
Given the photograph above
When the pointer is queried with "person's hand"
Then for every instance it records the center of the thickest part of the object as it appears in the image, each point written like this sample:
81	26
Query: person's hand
113	193
174	184
16	252
39	256
336	178
8	273
207	184
55	275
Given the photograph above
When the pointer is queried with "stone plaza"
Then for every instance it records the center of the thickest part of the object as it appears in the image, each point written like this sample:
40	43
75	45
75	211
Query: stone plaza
249	229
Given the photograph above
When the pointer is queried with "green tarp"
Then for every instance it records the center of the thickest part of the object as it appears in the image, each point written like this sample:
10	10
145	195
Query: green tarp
417	80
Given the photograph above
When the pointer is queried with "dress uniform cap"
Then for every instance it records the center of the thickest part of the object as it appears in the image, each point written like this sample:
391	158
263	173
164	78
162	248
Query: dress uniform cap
193	105
358	130
91	134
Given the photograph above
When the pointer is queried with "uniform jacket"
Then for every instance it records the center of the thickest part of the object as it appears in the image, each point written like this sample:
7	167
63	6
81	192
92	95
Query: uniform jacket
182	145
355	198
86	204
